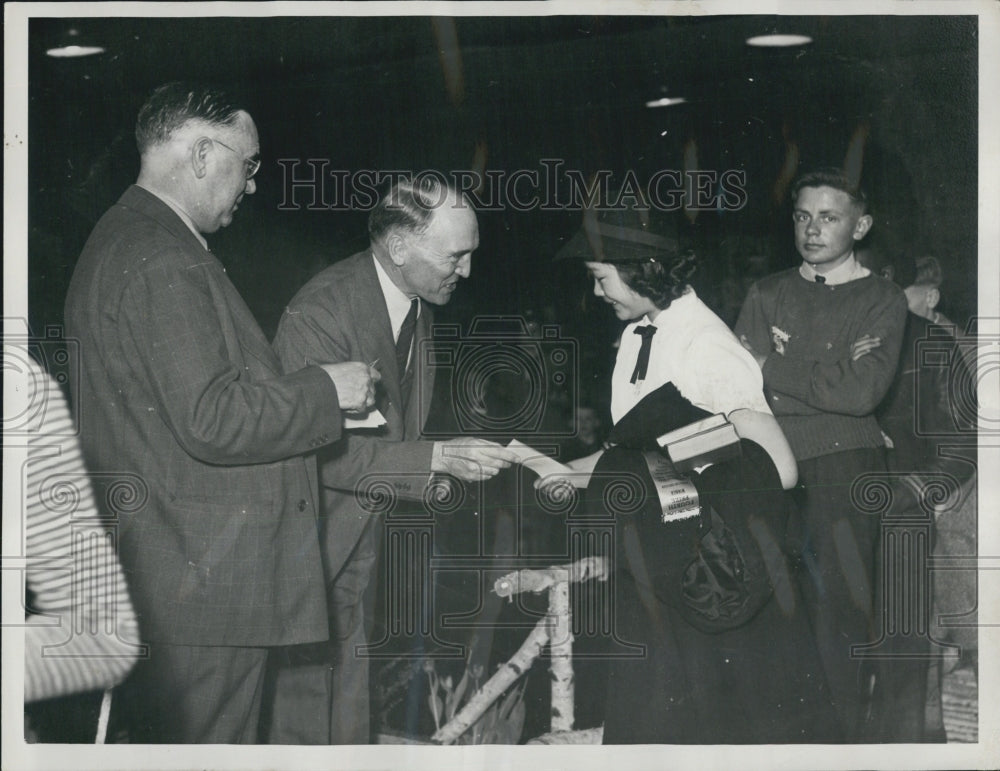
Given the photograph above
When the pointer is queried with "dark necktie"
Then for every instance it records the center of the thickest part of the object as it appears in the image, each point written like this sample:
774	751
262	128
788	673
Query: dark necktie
820	279
406	337
642	363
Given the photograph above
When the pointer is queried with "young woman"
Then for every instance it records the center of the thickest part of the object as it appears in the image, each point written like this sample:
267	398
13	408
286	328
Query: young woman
695	351
728	654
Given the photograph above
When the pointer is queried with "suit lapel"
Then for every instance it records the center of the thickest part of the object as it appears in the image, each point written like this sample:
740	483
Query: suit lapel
251	337
375	330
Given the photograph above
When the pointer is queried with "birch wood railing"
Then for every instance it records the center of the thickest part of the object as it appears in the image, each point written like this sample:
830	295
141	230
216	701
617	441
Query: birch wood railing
554	630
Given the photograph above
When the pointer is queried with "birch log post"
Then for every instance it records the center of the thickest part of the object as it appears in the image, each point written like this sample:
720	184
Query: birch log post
561	651
539	580
496	685
554	630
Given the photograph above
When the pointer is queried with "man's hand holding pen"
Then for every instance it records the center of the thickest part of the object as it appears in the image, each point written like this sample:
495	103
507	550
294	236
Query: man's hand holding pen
355	382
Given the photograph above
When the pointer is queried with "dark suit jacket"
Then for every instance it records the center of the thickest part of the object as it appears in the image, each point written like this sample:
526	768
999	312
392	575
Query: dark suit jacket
179	386
341	315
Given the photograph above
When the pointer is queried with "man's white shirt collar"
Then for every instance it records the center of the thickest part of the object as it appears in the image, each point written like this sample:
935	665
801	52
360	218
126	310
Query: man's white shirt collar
849	270
396	300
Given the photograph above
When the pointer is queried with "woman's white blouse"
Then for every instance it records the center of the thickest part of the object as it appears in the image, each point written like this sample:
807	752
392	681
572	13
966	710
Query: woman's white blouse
695	350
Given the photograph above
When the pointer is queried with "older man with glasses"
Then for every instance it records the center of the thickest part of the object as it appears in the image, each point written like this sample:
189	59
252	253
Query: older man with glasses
179	388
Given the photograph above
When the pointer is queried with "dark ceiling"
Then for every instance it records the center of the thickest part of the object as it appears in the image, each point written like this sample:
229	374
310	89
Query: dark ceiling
414	93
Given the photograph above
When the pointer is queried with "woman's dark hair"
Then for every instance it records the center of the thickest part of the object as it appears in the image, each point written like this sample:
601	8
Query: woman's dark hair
662	279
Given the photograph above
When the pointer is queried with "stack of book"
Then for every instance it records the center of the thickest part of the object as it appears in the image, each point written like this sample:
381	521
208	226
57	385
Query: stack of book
697	444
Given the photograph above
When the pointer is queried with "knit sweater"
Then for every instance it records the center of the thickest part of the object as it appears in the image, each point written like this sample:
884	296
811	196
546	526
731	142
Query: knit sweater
824	401
81	632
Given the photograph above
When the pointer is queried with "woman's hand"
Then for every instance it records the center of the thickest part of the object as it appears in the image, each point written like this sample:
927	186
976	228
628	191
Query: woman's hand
560	486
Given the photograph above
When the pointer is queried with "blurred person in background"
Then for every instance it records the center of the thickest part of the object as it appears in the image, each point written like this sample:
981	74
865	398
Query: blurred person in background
589	434
928	420
922	288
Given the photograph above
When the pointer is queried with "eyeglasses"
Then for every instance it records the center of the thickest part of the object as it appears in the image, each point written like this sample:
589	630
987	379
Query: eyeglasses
252	164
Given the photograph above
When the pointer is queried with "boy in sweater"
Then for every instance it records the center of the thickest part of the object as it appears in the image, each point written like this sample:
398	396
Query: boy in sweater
827	336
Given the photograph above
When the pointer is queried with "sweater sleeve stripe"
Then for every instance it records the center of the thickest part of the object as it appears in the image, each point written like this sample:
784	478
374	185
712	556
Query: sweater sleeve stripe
88	637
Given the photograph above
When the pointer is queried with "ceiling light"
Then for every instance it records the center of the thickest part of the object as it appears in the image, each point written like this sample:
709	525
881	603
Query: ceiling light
70	52
666	101
71	44
778	41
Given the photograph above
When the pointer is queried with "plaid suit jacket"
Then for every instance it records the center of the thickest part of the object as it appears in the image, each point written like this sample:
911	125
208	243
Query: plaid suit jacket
341	315
182	396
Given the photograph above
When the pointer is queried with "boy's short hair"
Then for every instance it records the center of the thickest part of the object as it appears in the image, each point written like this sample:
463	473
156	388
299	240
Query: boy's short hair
830	176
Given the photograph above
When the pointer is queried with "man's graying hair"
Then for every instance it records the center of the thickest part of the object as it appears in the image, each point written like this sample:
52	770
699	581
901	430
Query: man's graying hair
173	104
408	205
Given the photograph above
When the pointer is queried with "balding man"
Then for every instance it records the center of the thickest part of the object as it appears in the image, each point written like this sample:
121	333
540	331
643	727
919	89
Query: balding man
179	386
377	306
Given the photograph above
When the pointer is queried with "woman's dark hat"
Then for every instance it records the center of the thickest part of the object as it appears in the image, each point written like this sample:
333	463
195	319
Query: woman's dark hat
617	235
